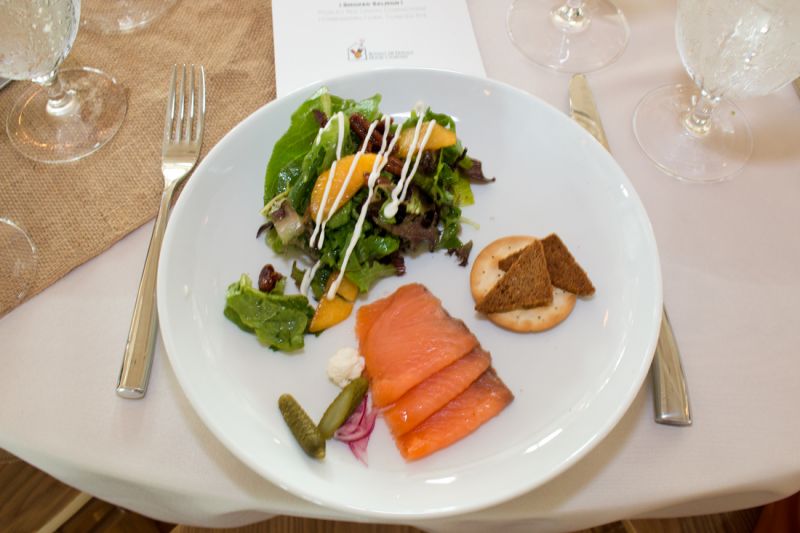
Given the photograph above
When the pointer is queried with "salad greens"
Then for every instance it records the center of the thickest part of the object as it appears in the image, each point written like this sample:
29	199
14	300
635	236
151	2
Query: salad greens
278	321
429	218
295	162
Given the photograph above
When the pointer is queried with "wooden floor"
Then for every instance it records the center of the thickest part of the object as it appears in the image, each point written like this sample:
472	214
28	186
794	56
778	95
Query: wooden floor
32	501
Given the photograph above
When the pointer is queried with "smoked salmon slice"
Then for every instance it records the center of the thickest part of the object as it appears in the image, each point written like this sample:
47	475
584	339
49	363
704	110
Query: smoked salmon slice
435	392
367	315
408	339
484	399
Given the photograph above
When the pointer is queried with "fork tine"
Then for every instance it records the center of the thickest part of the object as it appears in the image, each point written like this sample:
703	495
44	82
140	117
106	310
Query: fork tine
189	120
201	104
170	113
179	120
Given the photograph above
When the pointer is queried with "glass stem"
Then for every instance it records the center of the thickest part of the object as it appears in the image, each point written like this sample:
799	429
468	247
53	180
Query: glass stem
60	101
571	17
698	119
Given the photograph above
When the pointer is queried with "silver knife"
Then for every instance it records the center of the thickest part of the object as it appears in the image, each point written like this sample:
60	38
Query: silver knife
670	395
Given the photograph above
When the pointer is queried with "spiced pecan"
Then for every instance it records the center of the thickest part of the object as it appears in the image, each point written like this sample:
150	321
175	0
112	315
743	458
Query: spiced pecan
268	278
394	166
428	163
360	127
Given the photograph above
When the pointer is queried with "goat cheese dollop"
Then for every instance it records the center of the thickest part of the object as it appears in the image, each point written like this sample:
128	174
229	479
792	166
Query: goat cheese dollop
344	366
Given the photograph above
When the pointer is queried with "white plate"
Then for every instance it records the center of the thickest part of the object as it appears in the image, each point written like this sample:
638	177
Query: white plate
572	384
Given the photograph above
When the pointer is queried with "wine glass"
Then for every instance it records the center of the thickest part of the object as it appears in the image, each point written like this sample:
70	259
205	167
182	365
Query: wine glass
122	16
18	260
568	35
731	49
66	115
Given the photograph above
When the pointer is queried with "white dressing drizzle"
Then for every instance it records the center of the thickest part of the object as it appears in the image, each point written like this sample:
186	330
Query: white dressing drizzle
307	277
377	167
320	132
329	181
338	199
399	192
422	145
390	209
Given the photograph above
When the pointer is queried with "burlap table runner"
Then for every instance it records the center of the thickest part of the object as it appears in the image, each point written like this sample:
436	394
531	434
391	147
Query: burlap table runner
77	210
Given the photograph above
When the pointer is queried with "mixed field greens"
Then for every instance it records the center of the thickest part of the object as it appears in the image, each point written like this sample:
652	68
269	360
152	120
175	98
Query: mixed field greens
429	218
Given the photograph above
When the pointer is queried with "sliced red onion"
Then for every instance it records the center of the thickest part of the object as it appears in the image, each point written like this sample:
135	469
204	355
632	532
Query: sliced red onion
352	423
357	429
364	430
359	449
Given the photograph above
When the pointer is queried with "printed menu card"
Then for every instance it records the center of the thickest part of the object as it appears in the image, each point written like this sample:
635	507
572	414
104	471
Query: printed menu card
320	39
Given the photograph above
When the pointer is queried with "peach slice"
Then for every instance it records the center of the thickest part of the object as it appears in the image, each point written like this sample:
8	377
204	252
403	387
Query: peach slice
331	312
440	137
358	179
348	290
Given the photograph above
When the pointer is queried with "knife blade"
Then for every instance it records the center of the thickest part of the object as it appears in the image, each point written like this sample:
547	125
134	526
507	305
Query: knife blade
670	394
796	84
583	109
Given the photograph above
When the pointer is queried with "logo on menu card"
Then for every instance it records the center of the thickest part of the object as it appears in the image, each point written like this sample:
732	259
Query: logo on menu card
357	51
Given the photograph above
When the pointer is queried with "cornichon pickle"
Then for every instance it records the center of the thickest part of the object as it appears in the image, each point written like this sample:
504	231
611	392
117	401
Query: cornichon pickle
303	428
342	407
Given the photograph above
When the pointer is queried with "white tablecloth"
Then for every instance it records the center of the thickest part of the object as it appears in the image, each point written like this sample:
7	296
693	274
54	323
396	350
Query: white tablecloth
730	255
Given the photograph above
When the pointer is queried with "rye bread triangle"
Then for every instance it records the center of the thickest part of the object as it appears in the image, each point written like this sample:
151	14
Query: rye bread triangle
565	272
525	284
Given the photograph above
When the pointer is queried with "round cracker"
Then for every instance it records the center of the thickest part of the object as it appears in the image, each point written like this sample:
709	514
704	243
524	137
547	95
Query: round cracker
485	267
537	318
486	272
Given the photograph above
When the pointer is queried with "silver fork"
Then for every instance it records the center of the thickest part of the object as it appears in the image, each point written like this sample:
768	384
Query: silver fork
183	136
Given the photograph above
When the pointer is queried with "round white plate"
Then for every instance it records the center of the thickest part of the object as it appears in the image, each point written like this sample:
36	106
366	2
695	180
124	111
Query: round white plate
572	384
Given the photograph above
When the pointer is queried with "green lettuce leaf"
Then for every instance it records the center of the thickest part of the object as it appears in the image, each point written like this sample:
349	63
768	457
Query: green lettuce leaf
295	162
277	320
285	163
369	248
462	192
451	226
343	215
441	118
364	276
369	108
319	159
